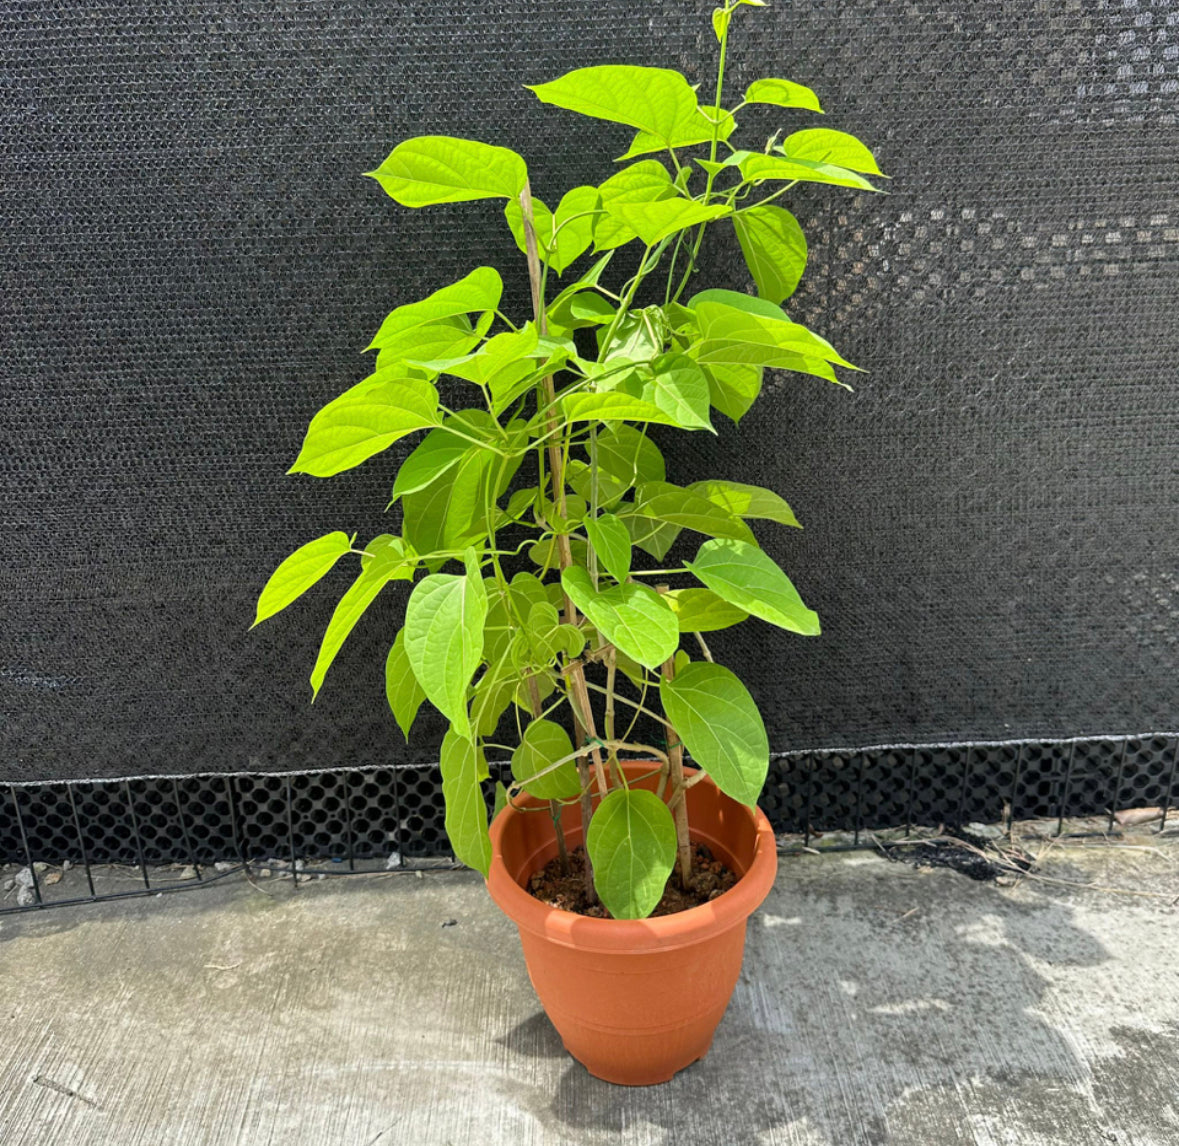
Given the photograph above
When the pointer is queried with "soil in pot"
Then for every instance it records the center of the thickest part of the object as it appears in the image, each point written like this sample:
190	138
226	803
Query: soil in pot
709	879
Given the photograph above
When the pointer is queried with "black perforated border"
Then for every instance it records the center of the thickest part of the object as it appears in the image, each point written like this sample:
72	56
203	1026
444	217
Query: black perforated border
358	819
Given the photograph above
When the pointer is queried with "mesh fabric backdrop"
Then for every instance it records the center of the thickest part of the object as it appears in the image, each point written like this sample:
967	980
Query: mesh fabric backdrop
191	264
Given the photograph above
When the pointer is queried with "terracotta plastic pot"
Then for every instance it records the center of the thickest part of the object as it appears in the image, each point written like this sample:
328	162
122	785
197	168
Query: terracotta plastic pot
635	1000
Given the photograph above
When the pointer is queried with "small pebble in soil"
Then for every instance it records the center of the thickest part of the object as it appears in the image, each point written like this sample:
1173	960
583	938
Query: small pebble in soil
710	878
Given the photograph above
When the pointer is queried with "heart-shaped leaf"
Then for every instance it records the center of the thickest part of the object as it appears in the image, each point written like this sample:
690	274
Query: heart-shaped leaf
442	169
632	617
720	726
748	578
632	844
542	745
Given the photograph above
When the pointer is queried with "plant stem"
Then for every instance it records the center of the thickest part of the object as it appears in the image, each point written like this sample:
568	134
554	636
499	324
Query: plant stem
583	721
678	804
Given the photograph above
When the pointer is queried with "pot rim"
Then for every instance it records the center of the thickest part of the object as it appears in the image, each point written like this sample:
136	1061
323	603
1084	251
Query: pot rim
681	929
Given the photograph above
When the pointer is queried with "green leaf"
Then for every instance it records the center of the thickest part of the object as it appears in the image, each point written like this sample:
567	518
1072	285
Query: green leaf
721	728
702	611
628	457
823	145
444	641
651	536
298	572
548	637
639	337
543	744
733	387
678	386
653	222
782	93
440	169
501	799
774	248
632	845
654	100
748	578
402	690
420	329
720	23
611	406
688	509
611	543
365	420
428	461
451	511
757	168
586	308
632	617
729	335
463	766
645	182
361	593
746	500
737	300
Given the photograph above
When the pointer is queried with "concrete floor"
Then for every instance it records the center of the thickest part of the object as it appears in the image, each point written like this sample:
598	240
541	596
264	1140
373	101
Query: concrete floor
879	1005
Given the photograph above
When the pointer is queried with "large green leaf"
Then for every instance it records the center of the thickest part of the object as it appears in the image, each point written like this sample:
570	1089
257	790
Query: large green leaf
758	167
743	500
657	101
645	182
428	329
774	248
444	641
298	572
363	421
611	406
678	386
655	221
463	766
748	578
611	543
688	509
731	336
632	844
823	145
507	352
361	593
782	93
702	611
402	690
632	617
442	169
429	460
543	744
650	535
720	726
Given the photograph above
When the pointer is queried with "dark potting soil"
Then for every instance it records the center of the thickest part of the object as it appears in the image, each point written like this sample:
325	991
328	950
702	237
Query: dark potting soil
710	878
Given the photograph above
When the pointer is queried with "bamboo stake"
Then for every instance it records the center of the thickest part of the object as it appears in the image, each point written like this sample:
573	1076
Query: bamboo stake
583	717
677	803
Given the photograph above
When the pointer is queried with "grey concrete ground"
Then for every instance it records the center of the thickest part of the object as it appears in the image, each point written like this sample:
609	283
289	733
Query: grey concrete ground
879	1005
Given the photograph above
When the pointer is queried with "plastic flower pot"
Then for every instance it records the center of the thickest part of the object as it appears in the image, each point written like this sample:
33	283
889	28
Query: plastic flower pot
635	1001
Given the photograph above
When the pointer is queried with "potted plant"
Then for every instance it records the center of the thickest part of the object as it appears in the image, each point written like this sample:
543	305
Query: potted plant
537	516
